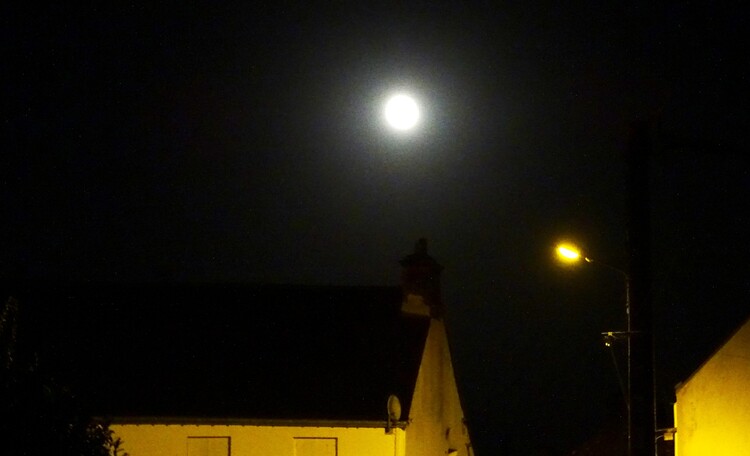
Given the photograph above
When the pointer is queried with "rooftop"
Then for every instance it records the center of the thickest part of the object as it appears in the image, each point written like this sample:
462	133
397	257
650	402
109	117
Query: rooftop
272	352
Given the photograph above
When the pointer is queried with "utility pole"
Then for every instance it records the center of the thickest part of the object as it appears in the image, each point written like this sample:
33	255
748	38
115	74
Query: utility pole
638	152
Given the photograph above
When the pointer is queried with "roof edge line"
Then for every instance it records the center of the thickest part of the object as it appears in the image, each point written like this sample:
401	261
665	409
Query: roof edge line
192	420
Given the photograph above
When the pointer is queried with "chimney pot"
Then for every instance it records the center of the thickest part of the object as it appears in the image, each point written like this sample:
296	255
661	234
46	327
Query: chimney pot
420	279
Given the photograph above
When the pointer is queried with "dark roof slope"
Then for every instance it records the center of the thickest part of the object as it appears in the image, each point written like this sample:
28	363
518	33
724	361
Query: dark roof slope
229	351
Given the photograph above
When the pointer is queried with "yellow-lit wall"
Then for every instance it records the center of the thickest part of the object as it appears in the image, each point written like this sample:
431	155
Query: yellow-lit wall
712	412
436	418
171	440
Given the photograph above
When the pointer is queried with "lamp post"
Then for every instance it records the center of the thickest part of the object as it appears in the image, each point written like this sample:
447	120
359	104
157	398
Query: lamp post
570	254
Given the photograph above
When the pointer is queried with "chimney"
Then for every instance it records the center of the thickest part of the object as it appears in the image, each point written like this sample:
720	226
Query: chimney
420	281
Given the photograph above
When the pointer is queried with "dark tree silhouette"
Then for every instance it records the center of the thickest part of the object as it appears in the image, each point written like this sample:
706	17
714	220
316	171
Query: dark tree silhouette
38	416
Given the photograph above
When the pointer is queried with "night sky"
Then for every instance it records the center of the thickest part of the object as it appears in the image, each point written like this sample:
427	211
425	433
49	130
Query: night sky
246	143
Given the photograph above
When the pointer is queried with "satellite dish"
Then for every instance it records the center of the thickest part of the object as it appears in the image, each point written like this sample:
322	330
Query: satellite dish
394	408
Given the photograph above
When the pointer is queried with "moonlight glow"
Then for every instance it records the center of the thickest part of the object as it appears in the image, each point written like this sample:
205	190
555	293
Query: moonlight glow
401	112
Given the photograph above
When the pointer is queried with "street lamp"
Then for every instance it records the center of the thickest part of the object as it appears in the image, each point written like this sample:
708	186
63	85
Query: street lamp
569	253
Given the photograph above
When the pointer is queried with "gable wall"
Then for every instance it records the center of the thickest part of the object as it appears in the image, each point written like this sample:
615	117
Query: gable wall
712	412
436	417
171	440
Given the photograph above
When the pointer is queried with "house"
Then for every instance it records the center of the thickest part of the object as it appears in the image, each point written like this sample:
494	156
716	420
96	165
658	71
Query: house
208	370
712	410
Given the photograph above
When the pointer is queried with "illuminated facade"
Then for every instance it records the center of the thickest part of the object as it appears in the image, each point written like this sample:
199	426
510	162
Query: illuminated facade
266	370
712	411
251	439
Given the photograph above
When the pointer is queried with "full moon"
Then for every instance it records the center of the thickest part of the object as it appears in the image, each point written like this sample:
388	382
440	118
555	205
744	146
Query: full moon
401	112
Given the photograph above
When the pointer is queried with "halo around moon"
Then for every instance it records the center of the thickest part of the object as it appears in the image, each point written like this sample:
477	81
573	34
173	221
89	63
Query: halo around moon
401	112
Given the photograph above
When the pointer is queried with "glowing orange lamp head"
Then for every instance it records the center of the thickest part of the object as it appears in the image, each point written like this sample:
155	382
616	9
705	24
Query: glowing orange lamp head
569	253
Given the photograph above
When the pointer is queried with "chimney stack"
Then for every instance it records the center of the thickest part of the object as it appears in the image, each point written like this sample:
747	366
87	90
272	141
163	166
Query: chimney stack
420	281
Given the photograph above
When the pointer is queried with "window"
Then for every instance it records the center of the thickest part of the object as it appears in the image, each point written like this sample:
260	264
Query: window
208	446
315	447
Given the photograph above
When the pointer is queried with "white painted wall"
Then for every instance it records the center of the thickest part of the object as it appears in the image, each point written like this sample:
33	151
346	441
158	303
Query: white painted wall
172	440
712	412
